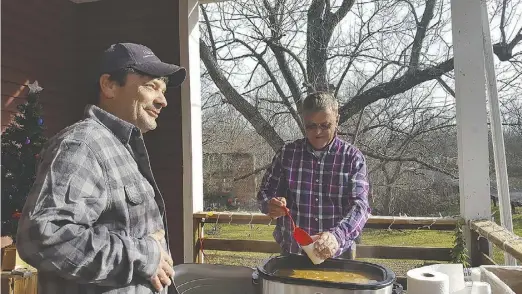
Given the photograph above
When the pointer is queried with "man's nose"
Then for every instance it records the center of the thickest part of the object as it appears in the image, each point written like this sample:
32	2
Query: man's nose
161	100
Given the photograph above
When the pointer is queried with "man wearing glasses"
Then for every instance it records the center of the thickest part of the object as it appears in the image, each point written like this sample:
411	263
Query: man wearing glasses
323	182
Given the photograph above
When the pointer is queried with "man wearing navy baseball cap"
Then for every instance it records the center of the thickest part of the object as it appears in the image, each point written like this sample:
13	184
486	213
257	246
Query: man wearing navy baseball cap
94	221
137	65
142	59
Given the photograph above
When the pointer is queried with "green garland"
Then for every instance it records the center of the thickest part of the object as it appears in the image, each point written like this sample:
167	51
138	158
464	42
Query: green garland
459	253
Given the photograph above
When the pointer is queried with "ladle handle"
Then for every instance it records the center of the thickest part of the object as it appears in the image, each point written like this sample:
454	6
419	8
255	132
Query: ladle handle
290	216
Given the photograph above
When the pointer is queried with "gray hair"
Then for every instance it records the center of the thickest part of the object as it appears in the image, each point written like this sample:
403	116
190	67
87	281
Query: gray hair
320	101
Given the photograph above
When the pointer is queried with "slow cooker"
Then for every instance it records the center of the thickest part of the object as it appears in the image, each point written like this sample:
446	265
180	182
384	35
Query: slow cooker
269	283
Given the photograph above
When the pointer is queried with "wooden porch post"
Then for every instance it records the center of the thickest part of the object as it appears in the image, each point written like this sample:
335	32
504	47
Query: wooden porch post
472	130
191	121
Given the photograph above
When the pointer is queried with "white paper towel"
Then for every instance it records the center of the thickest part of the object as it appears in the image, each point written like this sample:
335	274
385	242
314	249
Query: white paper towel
455	272
472	274
309	249
426	281
475	274
475	287
479	288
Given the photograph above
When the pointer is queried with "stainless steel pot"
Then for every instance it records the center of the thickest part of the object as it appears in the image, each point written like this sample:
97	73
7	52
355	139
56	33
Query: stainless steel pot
271	284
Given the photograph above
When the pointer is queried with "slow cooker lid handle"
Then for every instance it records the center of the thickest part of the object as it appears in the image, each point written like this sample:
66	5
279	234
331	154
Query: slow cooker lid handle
255	277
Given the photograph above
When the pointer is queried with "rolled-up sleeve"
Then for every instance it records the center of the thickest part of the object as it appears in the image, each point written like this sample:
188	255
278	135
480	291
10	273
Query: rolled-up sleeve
57	231
358	210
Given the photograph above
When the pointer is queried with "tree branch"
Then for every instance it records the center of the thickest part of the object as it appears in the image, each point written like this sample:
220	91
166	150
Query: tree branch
209	29
256	171
289	77
371	154
279	90
503	22
357	128
515	40
368	81
317	37
257	88
446	87
393	87
421	34
295	57
341	12
276	47
410	159
262	127
352	56
412	9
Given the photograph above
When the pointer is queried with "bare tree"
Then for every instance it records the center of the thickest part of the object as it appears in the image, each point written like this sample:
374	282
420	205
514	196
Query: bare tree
330	45
389	63
407	140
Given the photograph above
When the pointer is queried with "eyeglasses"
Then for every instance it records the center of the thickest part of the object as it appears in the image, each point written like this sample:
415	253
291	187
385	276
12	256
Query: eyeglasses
323	126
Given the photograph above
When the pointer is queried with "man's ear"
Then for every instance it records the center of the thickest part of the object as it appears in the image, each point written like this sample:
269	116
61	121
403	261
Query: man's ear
107	87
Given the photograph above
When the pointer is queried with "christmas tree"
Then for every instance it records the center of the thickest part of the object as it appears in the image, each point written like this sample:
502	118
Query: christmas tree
22	141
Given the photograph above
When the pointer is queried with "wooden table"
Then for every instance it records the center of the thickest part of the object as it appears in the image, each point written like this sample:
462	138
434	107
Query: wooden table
16	284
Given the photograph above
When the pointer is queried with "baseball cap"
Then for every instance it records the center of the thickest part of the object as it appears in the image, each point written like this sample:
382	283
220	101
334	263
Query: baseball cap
141	58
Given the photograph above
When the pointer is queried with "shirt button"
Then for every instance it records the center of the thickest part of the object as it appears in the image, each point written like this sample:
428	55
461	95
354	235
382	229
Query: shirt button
317	181
316	219
316	199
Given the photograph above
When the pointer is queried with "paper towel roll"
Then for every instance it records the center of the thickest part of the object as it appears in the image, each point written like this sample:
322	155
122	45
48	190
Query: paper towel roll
455	272
425	281
479	288
475	287
475	274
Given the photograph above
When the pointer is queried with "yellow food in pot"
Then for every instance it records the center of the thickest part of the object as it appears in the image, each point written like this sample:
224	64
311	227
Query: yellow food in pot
328	275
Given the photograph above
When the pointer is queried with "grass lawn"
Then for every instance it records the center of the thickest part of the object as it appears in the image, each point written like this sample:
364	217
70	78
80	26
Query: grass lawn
419	238
370	237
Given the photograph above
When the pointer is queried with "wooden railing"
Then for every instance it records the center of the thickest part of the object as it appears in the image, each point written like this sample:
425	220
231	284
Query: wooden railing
484	231
363	251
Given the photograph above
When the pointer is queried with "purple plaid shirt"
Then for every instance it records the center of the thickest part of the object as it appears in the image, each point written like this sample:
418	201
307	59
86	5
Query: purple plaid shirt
325	192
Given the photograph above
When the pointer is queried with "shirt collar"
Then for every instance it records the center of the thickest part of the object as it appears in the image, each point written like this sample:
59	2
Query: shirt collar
123	130
330	148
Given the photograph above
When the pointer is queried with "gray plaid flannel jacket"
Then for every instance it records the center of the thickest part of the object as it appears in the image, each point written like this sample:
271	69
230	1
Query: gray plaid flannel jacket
86	221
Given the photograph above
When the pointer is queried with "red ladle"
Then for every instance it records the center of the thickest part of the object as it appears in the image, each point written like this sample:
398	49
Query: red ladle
300	235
